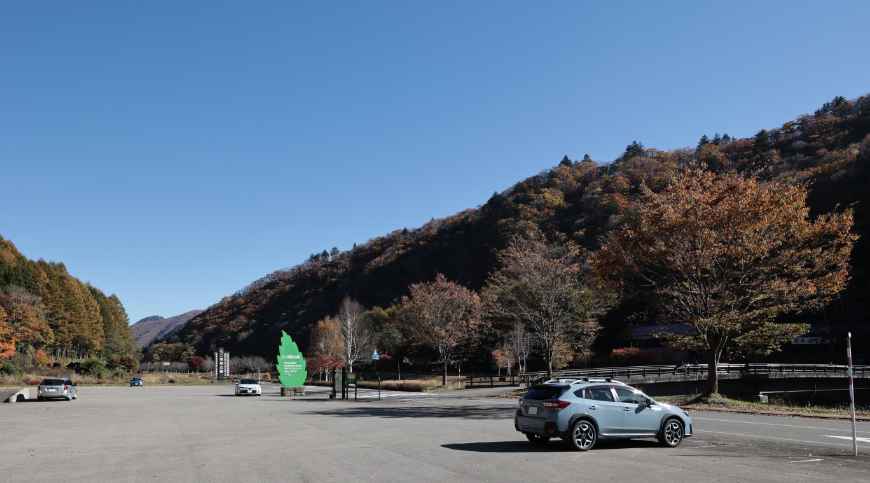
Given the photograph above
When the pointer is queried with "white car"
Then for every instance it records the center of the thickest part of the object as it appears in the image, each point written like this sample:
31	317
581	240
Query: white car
248	387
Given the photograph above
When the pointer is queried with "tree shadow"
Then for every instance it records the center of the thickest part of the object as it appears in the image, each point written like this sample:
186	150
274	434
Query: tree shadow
459	412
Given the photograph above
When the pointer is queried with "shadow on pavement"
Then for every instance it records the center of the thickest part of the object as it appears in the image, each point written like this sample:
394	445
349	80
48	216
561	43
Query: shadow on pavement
462	412
504	447
522	446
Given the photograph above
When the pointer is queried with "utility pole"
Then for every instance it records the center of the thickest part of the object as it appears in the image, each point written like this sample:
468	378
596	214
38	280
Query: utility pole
852	393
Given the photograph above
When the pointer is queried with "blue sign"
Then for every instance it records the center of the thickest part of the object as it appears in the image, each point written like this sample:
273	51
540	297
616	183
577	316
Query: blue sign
376	356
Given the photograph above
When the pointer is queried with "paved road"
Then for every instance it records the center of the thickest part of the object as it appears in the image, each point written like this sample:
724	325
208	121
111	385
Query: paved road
205	434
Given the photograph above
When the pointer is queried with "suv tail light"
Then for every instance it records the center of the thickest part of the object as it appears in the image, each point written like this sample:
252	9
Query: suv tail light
557	405
65	387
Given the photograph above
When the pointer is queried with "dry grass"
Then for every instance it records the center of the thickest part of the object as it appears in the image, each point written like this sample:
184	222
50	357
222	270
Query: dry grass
112	380
717	402
429	384
416	385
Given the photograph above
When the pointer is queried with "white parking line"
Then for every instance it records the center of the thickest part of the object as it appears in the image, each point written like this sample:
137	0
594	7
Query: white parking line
701	418
807	461
775	438
863	440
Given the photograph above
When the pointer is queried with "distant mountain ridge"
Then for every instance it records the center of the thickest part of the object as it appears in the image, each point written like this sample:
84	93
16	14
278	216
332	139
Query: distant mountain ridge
153	328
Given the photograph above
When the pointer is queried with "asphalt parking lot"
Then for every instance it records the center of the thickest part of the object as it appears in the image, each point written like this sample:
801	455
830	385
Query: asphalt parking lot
203	433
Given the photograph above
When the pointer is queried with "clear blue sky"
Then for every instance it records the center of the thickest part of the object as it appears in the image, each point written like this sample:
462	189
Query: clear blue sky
172	152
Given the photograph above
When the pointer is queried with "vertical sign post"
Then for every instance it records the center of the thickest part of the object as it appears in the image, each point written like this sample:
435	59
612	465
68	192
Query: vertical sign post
852	392
375	358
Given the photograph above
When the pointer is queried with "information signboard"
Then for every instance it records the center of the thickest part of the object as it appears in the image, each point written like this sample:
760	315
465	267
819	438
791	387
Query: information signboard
291	366
221	364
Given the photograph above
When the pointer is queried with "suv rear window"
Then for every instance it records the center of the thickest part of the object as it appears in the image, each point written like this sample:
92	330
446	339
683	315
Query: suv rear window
53	382
248	381
545	392
599	393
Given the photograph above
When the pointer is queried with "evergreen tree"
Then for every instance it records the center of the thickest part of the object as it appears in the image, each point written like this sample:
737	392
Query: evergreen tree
633	149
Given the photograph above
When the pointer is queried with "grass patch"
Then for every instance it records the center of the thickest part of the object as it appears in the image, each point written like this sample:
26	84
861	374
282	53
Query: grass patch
718	402
31	379
432	384
415	385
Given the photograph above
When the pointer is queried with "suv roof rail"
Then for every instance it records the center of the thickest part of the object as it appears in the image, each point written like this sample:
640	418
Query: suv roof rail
562	380
602	379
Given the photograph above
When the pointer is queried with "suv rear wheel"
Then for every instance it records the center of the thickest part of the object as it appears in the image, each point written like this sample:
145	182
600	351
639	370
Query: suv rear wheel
672	433
583	435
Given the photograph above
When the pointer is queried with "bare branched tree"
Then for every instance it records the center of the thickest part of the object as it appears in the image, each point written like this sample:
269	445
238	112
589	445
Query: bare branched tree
358	338
539	286
520	343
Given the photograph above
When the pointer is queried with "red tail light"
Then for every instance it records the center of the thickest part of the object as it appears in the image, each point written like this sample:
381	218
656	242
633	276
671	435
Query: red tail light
65	387
557	405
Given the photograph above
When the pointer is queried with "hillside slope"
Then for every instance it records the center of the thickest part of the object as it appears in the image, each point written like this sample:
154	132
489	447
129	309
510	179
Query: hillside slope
155	327
829	151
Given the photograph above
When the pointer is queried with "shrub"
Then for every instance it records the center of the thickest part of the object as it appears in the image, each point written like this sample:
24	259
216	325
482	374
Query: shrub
9	369
624	354
93	367
124	363
41	358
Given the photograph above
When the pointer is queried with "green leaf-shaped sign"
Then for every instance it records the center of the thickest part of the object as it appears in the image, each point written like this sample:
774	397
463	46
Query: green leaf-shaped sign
291	363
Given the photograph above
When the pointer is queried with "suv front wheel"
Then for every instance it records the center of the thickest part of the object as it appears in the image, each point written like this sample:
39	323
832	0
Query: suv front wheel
672	433
583	435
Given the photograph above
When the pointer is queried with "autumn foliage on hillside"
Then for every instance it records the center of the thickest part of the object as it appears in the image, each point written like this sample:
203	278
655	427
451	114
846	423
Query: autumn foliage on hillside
827	152
46	311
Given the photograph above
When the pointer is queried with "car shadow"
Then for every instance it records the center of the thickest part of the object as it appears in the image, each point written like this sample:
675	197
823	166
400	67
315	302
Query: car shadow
504	447
520	446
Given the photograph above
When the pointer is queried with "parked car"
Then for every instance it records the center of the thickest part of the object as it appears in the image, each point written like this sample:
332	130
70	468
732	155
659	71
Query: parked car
137	381
56	389
582	411
248	387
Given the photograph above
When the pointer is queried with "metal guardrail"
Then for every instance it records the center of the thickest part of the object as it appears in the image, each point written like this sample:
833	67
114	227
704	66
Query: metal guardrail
492	380
685	370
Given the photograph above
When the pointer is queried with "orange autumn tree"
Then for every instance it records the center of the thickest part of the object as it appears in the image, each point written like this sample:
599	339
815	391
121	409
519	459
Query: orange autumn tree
732	257
327	345
7	342
444	316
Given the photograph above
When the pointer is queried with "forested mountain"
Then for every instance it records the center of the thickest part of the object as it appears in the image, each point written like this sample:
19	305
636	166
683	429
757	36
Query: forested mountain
45	312
154	328
828	151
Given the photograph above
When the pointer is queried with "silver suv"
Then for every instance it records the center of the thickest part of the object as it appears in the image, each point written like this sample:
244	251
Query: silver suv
582	411
56	389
